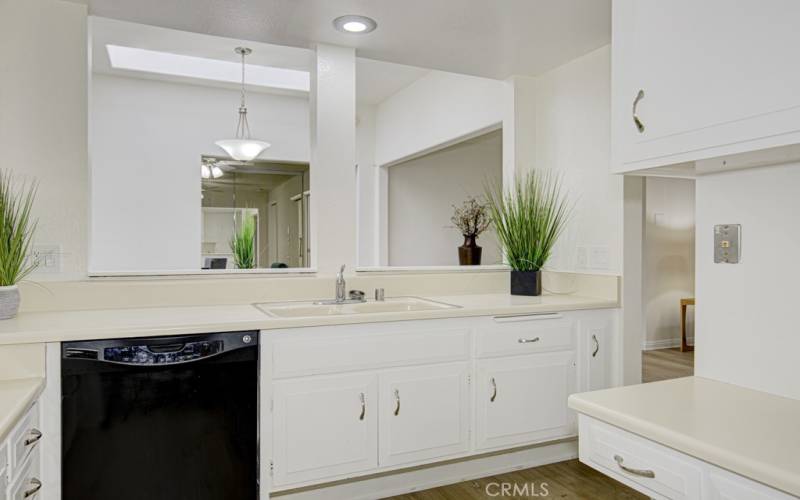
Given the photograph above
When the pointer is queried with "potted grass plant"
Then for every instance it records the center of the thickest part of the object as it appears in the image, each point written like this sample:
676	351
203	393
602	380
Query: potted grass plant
17	226
243	243
528	219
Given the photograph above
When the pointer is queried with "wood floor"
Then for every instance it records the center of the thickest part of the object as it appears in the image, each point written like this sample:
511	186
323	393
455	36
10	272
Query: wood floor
663	364
571	479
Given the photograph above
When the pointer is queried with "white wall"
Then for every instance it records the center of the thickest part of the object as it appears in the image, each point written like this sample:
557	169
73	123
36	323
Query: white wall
746	323
668	259
435	110
422	193
43	119
368	210
572	134
147	137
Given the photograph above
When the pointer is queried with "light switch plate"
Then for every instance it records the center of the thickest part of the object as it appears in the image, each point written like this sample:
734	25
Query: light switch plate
727	243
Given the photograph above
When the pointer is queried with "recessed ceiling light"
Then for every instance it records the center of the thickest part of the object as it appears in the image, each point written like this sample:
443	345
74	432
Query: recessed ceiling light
355	24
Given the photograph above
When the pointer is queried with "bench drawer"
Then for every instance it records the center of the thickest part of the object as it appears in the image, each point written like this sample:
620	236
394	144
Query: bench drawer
525	334
655	470
27	485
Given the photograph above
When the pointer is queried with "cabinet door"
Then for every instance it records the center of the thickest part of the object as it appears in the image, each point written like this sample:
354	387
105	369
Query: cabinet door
595	350
424	413
324	427
523	399
717	78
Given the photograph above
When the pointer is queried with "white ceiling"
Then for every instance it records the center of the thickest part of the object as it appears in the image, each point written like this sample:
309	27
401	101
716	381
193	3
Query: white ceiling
491	38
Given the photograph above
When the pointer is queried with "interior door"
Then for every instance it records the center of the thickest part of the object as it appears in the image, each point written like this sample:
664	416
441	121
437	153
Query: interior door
324	427
523	399
424	413
713	73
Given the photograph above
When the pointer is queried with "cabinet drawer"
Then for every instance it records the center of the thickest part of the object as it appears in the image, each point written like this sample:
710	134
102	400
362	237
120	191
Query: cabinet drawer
331	352
23	439
655	470
27	485
525	334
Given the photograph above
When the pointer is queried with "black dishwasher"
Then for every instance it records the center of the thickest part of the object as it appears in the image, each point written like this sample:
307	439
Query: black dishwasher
162	418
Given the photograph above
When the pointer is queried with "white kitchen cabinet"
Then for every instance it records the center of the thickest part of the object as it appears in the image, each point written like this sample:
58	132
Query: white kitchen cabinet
595	344
424	413
715	78
20	460
325	427
523	399
724	485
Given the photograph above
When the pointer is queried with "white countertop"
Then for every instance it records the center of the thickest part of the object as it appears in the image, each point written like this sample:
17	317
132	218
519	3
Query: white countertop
15	397
154	321
751	433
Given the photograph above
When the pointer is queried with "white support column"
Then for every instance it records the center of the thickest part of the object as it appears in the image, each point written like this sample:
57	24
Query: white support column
333	158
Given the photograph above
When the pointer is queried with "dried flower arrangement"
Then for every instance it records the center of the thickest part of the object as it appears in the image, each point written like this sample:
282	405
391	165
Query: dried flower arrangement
471	218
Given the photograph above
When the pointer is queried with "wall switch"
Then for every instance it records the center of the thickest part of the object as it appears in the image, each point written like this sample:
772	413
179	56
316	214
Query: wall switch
582	260
599	257
48	258
727	243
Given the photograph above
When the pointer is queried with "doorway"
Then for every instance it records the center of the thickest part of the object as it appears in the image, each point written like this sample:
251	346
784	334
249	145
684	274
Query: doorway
668	270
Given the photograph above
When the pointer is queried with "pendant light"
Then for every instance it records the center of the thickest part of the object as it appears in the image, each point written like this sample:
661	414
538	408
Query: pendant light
243	148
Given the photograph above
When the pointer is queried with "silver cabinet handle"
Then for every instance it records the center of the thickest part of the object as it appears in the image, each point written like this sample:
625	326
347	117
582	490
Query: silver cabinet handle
635	472
34	435
636	120
36	485
596	345
397	402
363	406
494	390
528	341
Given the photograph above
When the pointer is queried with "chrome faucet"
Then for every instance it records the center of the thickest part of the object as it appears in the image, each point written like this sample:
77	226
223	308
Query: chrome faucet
341	287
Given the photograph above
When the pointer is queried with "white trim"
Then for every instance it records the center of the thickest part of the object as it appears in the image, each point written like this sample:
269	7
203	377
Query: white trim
203	273
438	474
433	269
651	345
444	145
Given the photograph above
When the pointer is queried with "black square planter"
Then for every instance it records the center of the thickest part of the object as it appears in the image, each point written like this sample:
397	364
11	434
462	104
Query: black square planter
526	283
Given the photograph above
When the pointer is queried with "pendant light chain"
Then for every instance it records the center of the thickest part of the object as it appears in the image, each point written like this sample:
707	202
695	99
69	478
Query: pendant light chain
243	127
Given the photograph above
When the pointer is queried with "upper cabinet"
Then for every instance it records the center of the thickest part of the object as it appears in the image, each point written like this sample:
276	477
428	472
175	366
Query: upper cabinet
700	80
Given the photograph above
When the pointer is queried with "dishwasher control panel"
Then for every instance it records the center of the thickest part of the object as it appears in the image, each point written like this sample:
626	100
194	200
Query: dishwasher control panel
162	354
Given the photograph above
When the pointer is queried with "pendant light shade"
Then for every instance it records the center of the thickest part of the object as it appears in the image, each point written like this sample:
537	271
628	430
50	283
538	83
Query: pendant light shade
242	147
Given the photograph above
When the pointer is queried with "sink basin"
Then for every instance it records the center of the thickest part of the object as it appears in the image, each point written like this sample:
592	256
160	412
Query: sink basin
390	305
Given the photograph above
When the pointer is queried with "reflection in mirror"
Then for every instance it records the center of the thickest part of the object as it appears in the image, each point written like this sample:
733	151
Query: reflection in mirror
254	214
160	100
427	143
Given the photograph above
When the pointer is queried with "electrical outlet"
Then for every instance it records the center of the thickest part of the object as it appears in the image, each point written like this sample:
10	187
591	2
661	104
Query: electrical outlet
48	258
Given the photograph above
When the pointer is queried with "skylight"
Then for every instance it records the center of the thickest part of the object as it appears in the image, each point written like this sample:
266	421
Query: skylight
165	63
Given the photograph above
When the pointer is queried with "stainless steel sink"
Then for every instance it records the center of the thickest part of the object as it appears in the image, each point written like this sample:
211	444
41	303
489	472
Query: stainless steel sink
390	305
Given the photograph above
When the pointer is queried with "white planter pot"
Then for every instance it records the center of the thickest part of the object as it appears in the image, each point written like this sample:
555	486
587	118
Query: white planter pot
9	301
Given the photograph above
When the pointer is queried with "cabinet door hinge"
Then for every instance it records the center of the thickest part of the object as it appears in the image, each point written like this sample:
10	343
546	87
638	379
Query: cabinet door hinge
469	379
271	467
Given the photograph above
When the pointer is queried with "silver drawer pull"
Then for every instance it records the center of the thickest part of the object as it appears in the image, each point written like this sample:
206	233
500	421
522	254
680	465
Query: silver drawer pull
363	406
494	390
397	402
36	485
636	472
596	345
34	435
528	341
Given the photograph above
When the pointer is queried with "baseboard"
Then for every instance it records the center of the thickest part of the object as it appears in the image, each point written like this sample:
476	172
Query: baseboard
651	345
432	476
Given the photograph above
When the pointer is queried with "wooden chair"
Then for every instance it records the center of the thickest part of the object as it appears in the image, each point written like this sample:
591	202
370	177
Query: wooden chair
684	304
